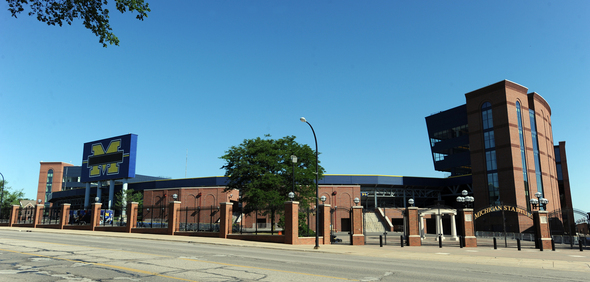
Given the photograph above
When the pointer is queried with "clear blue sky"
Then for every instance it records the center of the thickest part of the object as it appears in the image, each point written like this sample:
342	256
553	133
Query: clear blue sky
205	75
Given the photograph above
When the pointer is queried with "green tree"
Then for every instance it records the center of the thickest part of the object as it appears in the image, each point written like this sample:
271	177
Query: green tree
10	198
262	170
93	12
132	196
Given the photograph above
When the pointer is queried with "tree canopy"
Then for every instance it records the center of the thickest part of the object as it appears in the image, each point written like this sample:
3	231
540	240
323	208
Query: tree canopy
93	12
9	198
262	170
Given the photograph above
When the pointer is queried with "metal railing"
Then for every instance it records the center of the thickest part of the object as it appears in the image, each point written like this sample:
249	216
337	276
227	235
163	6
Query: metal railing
198	219
50	215
26	215
80	217
152	217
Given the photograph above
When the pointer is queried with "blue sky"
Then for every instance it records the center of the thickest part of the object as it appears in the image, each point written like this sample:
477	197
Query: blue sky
205	75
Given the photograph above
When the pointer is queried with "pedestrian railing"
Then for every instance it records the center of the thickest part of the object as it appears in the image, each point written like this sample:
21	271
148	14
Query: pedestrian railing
152	217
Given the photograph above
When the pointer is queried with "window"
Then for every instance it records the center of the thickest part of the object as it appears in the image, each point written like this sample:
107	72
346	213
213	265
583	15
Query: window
49	181
523	156
490	153
535	138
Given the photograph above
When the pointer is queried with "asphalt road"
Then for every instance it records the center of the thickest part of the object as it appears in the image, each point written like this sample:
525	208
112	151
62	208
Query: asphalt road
37	256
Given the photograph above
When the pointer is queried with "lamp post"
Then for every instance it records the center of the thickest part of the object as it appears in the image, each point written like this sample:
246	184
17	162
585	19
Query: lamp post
541	203
2	196
467	201
293	161
317	189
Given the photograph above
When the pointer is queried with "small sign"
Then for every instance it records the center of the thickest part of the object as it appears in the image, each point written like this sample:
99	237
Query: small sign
468	217
543	219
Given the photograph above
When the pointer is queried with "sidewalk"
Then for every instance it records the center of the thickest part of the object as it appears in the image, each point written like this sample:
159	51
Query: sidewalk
564	259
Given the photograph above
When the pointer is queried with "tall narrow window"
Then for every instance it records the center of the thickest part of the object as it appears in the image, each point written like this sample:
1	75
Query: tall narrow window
49	182
535	138
490	154
523	156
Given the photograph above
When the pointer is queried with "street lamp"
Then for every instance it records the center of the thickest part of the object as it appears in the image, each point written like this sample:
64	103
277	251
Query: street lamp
2	196
317	189
467	201
293	161
541	203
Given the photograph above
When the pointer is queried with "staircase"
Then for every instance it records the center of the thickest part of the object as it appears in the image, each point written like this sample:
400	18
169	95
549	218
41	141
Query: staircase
372	223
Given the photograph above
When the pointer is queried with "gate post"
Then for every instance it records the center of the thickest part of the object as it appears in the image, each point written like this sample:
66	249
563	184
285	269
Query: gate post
131	215
13	215
225	220
291	222
356	218
325	223
542	229
413	225
36	216
64	216
173	207
95	219
468	230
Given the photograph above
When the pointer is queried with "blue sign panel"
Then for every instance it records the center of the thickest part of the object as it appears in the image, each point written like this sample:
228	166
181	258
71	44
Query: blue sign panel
112	158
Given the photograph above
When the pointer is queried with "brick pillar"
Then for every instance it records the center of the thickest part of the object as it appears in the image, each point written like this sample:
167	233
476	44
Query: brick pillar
468	230
325	223
13	215
38	208
173	208
541	222
64	216
356	218
131	215
225	220
291	222
413	225
95	219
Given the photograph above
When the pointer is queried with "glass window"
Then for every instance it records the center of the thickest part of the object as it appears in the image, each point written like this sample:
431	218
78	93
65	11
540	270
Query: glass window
489	139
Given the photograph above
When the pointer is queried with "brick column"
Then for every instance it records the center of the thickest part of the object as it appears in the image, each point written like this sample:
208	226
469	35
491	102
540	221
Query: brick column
413	225
64	217
225	219
325	223
468	230
13	215
541	222
131	215
95	219
356	218
291	222
173	208
36	215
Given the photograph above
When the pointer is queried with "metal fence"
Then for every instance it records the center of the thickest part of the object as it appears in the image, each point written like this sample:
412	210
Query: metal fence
152	217
198	219
51	215
26	215
267	220
5	215
307	222
80	217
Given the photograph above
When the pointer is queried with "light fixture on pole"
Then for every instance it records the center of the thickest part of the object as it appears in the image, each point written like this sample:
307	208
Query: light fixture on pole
293	162
317	189
467	201
2	196
541	203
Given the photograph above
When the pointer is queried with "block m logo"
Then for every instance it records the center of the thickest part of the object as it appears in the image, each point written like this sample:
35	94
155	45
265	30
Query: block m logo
107	162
